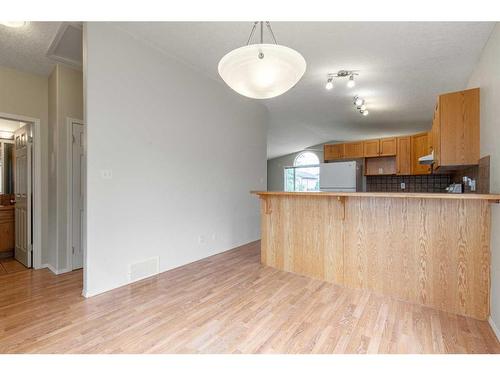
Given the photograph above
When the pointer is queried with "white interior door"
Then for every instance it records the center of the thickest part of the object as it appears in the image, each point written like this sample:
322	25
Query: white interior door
77	193
22	191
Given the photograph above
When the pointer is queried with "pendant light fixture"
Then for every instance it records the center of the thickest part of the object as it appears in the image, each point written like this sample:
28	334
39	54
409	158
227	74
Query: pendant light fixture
14	24
262	70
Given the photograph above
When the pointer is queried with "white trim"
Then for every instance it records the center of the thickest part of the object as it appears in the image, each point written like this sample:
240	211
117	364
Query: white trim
494	328
69	189
37	186
54	270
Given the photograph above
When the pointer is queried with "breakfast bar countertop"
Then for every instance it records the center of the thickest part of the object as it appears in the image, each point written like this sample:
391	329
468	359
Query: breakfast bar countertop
494	198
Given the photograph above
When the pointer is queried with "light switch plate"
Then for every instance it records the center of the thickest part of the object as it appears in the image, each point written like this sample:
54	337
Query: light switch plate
106	174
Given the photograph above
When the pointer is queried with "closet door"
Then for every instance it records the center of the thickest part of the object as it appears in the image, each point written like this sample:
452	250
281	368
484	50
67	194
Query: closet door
22	191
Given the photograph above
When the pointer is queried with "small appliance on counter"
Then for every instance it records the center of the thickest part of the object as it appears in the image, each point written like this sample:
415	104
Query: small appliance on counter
460	188
341	176
455	189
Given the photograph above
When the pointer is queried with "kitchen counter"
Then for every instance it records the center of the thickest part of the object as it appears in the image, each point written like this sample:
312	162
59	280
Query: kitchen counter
488	197
424	248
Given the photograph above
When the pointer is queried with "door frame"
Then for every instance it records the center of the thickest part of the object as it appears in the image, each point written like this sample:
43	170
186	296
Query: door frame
36	206
69	190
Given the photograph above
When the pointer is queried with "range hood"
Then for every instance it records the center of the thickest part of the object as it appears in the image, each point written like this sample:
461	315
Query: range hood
427	159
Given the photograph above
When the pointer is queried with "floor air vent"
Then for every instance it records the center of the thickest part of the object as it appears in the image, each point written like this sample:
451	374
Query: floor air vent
143	269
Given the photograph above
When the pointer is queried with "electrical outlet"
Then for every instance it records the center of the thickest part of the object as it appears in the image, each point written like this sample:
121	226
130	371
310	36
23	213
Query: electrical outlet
403	186
202	239
380	171
214	236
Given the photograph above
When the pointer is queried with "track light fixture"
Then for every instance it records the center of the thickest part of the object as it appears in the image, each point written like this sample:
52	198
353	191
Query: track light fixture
360	105
341	74
329	83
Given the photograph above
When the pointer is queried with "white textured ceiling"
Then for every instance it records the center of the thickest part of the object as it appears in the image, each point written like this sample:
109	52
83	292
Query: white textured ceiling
403	67
25	48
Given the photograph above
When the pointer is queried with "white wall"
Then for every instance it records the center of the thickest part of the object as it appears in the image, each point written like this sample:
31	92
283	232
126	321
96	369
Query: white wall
486	75
275	167
184	152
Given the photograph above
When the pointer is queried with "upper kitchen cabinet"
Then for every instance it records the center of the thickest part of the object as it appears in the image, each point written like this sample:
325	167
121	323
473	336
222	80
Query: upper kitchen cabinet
403	156
420	146
333	152
387	147
353	150
371	148
455	129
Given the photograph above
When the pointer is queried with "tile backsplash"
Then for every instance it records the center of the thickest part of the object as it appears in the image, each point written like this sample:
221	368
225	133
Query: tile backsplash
434	183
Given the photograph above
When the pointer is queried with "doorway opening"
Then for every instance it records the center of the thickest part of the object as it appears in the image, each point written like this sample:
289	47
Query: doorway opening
20	193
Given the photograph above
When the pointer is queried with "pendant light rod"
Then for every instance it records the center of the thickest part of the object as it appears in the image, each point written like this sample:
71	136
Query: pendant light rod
261	23
252	32
268	24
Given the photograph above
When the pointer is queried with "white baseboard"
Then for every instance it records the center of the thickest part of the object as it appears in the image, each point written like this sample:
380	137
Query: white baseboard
91	293
54	270
494	328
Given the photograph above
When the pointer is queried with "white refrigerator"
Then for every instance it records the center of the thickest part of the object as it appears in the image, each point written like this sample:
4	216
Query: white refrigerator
341	176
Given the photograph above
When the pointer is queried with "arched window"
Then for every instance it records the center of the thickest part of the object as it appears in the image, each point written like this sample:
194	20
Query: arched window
306	158
304	175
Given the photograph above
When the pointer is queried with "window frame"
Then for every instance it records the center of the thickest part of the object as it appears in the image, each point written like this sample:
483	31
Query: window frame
294	168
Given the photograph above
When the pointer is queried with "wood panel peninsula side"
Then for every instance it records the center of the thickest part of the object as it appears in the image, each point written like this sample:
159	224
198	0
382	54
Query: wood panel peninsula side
430	249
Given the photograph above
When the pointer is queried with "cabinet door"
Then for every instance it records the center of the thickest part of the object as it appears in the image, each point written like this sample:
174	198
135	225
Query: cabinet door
388	146
333	152
371	148
384	165
403	156
459	128
436	136
419	147
353	150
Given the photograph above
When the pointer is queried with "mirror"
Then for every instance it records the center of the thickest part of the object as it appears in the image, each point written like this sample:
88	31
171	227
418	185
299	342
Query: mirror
6	167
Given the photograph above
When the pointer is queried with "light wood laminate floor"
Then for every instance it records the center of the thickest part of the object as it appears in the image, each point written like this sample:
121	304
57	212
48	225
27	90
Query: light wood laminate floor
10	265
228	303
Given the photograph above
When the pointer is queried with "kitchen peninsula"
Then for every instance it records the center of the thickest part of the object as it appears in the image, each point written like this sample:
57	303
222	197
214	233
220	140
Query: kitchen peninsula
430	249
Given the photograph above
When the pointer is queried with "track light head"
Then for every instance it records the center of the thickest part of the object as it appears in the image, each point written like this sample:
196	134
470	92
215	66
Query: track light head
351	83
358	102
329	83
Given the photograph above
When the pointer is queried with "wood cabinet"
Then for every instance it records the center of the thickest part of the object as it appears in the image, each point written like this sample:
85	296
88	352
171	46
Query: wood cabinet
383	165
6	228
379	147
420	147
454	139
435	144
353	150
388	147
333	152
455	129
403	155
371	148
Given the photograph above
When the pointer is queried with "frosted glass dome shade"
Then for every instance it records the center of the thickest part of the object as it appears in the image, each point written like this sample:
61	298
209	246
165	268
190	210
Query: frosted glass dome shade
275	73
